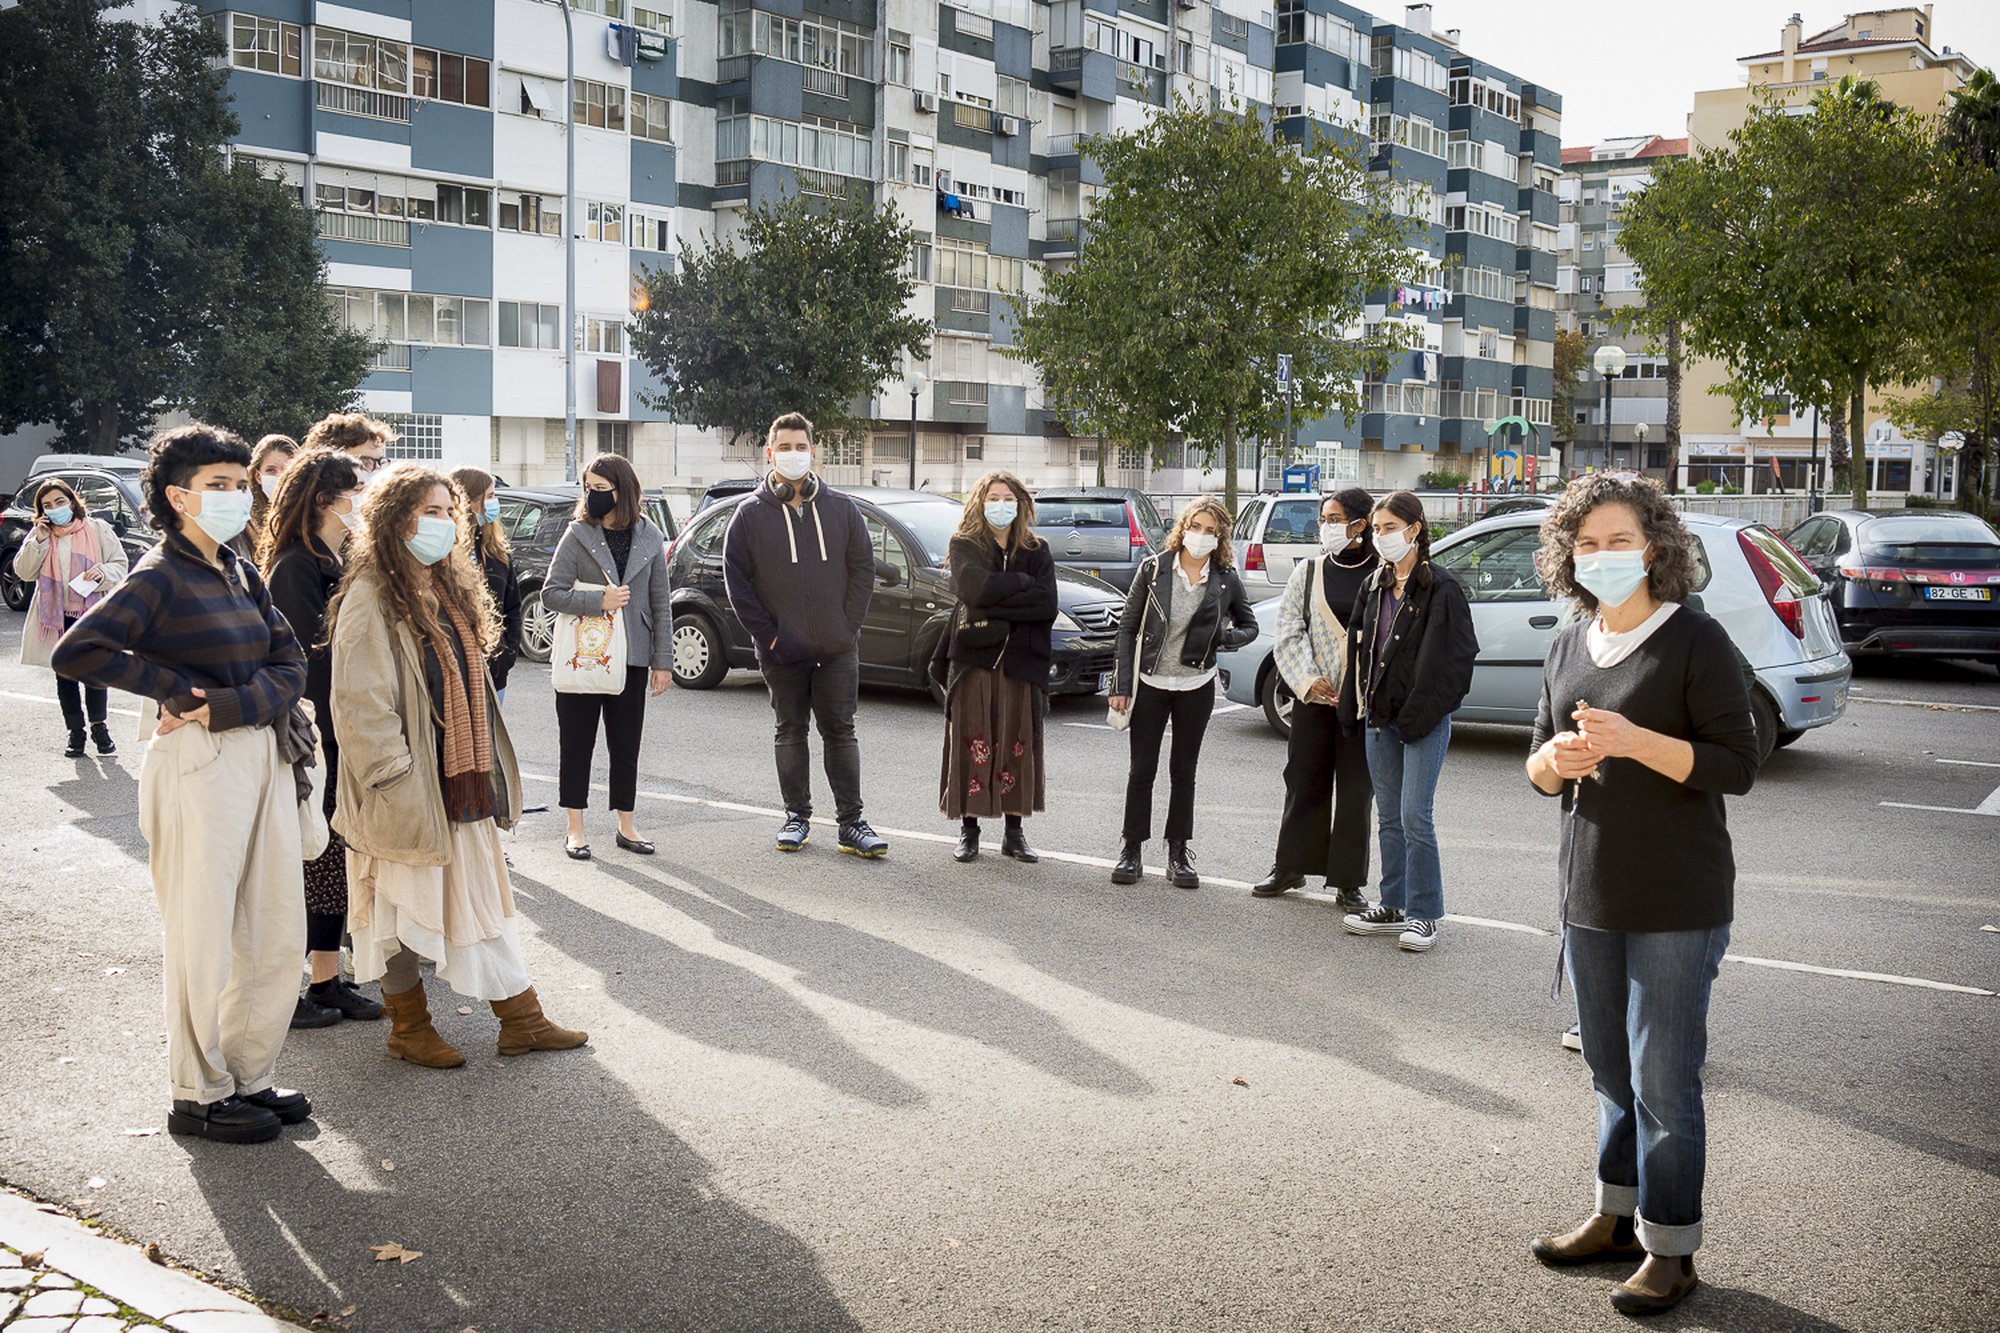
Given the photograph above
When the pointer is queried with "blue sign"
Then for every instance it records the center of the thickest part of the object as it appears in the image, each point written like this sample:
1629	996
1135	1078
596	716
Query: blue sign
1284	370
1302	477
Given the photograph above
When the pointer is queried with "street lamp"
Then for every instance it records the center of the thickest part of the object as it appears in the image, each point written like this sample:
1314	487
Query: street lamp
1948	444
1610	363
569	243
1641	430
916	387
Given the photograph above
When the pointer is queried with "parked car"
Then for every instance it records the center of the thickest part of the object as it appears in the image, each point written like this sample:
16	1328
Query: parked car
1776	613
725	489
1916	582
912	605
109	488
534	518
1271	533
1103	531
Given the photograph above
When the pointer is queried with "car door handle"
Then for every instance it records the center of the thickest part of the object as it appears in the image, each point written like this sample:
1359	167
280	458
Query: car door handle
1542	622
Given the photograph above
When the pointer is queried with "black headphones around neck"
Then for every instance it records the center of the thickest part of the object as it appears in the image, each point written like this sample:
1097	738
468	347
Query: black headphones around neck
787	491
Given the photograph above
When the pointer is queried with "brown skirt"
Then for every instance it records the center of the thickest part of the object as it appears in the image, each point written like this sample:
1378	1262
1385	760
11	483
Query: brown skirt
992	761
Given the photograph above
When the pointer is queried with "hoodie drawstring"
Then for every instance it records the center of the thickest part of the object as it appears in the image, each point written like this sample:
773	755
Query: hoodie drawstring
819	528
790	539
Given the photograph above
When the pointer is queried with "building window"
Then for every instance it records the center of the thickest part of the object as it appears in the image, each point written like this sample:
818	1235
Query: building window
419	436
614	437
530	213
899	65
968	266
361	61
965	115
601	222
602	334
524	324
444	77
413	317
598	104
265	45
651	232
919	267
814	143
652	118
896	163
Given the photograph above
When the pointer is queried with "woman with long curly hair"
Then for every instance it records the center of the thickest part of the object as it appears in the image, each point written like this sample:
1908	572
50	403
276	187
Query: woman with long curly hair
428	776
316	505
1644	727
489	550
996	680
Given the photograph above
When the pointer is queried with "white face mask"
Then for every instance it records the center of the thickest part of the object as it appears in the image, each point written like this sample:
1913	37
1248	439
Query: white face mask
792	464
268	483
1200	545
351	520
1393	546
1334	537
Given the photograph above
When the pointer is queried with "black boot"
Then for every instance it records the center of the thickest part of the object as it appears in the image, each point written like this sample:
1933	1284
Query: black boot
1129	867
1349	900
231	1120
968	842
1014	843
1180	866
1277	882
288	1104
75	750
100	736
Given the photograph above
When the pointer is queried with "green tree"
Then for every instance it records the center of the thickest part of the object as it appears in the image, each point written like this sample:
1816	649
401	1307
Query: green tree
1214	247
806	315
1572	363
139	272
1804	255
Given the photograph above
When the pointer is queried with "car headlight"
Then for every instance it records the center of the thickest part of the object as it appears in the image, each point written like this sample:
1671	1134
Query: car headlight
1065	621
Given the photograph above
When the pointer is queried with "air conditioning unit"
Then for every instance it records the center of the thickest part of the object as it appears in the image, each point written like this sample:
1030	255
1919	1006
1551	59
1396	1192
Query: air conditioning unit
1006	125
926	102
1184	4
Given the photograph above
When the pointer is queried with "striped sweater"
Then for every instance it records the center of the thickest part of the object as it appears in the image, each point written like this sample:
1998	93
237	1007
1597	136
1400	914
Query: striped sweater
179	623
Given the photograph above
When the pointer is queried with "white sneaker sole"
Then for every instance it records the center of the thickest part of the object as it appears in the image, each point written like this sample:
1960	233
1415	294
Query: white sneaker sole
1355	926
1415	943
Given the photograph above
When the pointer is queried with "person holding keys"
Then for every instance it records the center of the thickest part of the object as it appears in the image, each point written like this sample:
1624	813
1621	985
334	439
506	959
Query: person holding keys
72	560
1653	730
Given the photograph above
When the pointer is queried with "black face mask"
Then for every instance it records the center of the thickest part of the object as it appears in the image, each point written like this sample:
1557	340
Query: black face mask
599	504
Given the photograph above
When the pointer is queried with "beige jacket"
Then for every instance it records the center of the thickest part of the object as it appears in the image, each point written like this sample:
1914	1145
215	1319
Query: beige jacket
391	799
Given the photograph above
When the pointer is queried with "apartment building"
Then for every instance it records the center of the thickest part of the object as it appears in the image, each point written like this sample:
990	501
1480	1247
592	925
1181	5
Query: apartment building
431	139
1597	284
1898	49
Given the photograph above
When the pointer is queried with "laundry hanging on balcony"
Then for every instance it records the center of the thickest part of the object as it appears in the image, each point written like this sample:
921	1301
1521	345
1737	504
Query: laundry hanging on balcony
627	44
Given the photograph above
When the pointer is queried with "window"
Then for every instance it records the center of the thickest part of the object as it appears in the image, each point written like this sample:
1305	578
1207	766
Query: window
530	213
419	436
650	231
732	129
962	265
968	116
601	222
823	43
599	104
1412	132
814	143
919	267
652	20
1489	345
602	334
1483	220
614	437
896	166
1406	63
524	324
1487	283
1295	521
365	206
614	9
413	317
1499	567
360	61
1010	97
651	118
265	45
444	77
899	58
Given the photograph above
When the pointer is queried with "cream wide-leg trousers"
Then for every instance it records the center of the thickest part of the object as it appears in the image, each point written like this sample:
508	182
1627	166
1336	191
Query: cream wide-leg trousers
220	815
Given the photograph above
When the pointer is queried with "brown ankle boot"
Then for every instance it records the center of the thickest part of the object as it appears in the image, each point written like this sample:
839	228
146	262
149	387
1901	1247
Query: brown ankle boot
1600	1238
1661	1283
411	1036
524	1028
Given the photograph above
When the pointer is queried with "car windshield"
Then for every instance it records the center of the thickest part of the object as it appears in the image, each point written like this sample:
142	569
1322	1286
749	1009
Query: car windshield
1058	512
1926	538
932	521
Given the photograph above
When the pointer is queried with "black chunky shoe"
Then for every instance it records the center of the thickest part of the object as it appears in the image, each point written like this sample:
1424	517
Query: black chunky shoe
231	1120
289	1105
310	1013
100	736
1129	867
344	996
75	748
1180	866
1014	844
1277	882
968	844
1349	900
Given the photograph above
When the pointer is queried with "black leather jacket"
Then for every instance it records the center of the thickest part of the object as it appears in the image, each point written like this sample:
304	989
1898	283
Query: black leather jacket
1423	675
1152	587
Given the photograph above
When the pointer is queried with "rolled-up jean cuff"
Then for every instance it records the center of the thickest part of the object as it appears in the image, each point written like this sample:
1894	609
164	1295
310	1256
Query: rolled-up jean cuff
1669	1242
1617	1200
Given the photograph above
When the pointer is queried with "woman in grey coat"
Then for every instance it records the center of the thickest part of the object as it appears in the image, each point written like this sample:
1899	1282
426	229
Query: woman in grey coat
615	550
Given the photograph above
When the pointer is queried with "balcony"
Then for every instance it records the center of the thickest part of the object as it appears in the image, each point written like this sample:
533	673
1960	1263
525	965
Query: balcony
391	356
826	82
828	184
368	230
362	102
1064	235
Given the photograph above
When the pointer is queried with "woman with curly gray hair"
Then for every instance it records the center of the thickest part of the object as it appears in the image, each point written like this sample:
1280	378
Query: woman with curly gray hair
1644	727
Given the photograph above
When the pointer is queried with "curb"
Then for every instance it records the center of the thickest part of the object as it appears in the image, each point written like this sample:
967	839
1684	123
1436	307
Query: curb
124	1273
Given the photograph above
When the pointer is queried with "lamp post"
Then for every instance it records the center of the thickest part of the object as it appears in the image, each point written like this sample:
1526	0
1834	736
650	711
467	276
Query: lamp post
1641	430
570	329
916	389
1610	363
1948	445
1812	476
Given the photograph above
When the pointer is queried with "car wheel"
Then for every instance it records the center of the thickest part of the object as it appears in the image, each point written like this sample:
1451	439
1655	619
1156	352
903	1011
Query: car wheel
699	663
14	590
1787	737
1766	718
538	628
1278	703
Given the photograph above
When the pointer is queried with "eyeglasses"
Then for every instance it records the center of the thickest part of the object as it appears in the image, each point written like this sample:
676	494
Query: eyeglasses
367	464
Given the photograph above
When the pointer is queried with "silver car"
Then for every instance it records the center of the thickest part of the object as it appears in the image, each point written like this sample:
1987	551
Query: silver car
1747	578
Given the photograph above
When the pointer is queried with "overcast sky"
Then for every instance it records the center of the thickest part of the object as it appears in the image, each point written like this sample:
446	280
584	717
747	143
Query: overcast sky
1625	68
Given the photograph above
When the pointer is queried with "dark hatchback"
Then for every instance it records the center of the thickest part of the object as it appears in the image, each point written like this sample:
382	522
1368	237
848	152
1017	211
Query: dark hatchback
1916	582
109	489
534	518
913	600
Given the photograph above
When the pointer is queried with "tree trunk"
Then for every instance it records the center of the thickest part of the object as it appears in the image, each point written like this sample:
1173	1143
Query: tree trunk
1101	447
100	427
1673	427
1229	491
1857	448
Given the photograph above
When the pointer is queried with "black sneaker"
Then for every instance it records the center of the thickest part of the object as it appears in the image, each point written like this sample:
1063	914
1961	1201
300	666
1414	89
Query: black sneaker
348	999
74	750
289	1105
1348	900
100	736
796	833
1418	936
310	1013
857	839
1377	920
231	1120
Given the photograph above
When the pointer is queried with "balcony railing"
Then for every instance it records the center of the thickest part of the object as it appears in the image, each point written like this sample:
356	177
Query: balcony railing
1068	230
360	227
963	393
362	102
830	184
969	301
736	172
827	82
1066	145
392	356
729	69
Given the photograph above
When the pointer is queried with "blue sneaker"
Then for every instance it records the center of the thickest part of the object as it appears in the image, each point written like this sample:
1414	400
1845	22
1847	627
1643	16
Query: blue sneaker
857	839
796	833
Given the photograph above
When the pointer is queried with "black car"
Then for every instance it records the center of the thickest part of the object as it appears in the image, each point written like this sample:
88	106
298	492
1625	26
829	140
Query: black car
534	518
913	600
1918	582
1106	532
726	489
109	489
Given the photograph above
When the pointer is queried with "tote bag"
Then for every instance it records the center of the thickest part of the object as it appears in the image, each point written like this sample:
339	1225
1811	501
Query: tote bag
589	656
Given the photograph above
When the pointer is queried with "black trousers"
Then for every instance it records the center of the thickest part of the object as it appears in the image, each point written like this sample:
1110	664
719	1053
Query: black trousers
1326	778
624	718
75	698
1152	710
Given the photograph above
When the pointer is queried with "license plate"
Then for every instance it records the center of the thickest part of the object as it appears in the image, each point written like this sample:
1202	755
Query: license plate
1959	594
1104	682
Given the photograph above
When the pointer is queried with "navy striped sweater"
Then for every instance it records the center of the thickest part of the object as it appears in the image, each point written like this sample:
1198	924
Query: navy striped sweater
178	623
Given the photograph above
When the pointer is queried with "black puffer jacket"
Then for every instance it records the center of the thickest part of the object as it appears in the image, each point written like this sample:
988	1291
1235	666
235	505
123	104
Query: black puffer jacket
1424	673
1153	588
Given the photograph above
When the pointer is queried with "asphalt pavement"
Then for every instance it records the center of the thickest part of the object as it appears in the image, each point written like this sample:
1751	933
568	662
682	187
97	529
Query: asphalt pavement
827	1094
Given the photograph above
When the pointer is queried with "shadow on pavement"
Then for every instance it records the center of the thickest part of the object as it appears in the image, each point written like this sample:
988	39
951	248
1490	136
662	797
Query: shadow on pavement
542	1195
1734	1310
106	797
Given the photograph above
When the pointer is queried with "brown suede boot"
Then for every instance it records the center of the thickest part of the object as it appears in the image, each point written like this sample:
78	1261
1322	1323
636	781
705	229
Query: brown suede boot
1601	1238
524	1028
1661	1283
411	1036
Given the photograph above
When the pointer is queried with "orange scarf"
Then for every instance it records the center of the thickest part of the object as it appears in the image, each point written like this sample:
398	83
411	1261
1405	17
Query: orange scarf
468	731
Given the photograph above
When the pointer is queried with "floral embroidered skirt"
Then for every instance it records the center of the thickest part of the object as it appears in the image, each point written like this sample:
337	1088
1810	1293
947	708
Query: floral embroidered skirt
992	746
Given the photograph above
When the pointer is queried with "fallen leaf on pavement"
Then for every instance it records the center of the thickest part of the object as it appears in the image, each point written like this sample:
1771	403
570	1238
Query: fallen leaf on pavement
143	1132
388	1165
496	1064
954	1244
33	1259
65	1059
1991	930
465	1008
155	1253
1240	1081
348	1312
394	1250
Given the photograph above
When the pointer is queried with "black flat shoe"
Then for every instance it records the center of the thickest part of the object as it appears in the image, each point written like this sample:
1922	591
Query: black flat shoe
637	846
1014	844
968	845
310	1013
1129	867
100	736
1275	883
581	852
231	1120
74	750
288	1105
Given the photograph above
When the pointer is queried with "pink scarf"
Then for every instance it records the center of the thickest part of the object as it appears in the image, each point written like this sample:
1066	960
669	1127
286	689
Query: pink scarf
52	585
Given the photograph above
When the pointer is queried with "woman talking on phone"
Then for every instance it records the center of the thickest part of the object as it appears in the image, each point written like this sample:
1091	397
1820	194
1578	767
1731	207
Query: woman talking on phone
72	560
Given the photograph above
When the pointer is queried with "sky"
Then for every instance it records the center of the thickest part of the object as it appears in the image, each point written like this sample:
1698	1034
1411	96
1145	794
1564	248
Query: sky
1633	68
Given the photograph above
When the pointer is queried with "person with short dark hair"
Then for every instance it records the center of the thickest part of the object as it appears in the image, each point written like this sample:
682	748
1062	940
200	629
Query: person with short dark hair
800	570
357	434
1644	727
72	559
194	628
613	549
490	550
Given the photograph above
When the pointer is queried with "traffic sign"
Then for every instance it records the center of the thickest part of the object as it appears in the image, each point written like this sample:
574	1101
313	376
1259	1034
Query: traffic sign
1284	370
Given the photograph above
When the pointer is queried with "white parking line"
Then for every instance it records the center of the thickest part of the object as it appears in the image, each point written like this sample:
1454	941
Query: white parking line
1972	763
46	699
1488	923
1859	698
1090	726
1989	806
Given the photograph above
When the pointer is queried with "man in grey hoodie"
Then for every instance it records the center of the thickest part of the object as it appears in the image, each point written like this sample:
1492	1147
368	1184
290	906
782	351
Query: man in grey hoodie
800	570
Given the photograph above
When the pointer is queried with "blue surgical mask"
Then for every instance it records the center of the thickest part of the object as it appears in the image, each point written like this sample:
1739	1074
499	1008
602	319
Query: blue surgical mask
490	511
1002	513
61	516
224	514
1611	576
433	540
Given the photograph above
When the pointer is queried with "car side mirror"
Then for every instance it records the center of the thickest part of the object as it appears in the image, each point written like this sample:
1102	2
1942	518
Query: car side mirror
887	574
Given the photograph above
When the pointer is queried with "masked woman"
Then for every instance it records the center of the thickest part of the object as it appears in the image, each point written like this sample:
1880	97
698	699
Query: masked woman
427	773
73	560
487	541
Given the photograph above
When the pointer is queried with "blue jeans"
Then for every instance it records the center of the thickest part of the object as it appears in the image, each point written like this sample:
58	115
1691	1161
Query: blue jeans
1642	1001
1405	774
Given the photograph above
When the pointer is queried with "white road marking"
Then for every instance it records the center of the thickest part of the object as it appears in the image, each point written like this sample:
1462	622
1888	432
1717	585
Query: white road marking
45	699
1090	726
1515	927
1926	703
1989	806
1971	763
